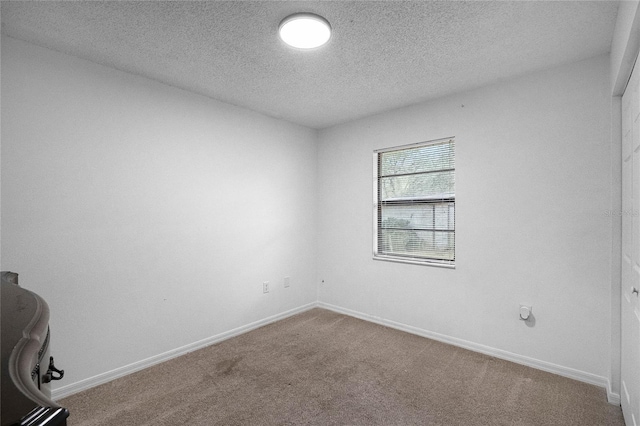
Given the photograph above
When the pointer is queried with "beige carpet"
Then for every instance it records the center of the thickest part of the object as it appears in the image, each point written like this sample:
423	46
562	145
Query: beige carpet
323	368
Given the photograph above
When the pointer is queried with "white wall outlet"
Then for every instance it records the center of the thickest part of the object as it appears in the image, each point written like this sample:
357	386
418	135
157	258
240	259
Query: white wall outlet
525	312
287	282
265	287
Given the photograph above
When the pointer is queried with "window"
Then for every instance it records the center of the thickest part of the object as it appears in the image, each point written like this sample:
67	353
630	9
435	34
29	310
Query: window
414	200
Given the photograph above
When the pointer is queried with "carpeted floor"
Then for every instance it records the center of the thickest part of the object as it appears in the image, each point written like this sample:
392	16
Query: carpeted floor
323	368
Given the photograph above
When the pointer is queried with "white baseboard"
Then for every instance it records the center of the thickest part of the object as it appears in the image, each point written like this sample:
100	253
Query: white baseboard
476	347
612	397
72	388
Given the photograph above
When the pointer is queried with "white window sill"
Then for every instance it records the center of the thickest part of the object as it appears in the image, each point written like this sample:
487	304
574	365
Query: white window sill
423	262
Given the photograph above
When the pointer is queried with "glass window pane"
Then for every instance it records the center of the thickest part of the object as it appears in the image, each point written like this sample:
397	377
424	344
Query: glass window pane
426	186
410	243
416	202
421	159
418	216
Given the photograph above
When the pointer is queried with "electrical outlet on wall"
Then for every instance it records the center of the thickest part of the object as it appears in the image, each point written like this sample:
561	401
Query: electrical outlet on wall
287	282
265	287
525	312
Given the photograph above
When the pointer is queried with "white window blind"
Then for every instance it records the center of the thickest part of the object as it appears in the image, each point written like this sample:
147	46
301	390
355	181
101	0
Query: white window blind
414	190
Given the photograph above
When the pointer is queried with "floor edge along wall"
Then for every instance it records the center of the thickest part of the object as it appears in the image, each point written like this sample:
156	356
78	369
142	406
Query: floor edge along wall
581	376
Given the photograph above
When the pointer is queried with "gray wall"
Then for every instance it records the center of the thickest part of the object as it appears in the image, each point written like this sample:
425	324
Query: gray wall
533	192
148	217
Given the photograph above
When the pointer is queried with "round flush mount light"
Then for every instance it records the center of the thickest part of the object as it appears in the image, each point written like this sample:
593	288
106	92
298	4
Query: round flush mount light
305	30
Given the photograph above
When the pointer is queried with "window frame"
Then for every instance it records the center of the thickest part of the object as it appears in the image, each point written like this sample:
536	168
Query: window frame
377	209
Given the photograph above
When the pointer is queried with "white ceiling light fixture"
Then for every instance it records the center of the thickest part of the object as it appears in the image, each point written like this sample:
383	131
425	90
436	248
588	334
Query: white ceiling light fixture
305	30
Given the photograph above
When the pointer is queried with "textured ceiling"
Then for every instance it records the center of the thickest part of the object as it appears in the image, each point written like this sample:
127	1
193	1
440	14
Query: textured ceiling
382	55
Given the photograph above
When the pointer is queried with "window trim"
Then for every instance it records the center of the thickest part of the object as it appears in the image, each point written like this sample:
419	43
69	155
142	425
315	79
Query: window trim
399	259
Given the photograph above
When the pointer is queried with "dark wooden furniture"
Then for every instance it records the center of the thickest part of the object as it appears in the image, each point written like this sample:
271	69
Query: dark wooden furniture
27	367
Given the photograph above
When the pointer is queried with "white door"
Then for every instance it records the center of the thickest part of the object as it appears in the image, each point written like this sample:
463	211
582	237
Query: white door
630	309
